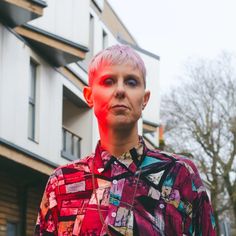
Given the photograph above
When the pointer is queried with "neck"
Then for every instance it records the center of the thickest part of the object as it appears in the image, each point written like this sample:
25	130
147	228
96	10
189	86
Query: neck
118	141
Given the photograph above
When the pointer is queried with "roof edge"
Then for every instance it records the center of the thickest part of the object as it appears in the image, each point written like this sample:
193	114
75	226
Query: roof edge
40	3
27	152
136	47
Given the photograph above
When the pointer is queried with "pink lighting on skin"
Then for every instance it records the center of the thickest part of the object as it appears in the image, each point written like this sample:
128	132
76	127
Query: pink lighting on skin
118	96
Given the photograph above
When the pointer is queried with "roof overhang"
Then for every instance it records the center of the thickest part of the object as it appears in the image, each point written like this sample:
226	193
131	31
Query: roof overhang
18	12
68	94
55	49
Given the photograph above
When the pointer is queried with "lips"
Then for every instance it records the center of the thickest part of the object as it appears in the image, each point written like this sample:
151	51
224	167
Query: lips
121	106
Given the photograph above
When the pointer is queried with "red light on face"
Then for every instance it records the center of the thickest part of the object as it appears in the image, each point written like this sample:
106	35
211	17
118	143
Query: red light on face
117	95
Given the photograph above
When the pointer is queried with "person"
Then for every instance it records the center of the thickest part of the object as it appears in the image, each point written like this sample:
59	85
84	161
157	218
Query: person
123	188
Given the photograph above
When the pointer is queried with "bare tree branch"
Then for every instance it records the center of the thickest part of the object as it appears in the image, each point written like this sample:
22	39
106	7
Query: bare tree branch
200	118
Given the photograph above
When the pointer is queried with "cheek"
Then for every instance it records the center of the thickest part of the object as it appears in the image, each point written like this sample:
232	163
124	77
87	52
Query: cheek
139	101
100	102
137	107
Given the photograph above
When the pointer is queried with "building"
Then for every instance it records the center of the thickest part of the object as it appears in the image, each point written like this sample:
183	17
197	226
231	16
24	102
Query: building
45	47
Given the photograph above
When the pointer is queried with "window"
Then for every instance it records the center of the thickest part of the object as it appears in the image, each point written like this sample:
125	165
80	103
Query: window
104	39
12	229
84	63
32	100
91	35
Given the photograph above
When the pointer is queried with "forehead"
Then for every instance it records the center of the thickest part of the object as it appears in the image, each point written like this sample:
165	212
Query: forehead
123	69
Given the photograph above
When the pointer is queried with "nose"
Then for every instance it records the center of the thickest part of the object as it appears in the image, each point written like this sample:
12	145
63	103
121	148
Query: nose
120	90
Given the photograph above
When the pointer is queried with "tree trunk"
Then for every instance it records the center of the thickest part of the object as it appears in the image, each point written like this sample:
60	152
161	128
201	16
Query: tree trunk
215	203
231	192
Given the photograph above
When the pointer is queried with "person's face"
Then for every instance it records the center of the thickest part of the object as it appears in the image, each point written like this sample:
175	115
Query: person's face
118	95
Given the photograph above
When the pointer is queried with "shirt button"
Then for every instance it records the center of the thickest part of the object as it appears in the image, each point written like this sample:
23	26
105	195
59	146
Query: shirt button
161	206
114	181
113	214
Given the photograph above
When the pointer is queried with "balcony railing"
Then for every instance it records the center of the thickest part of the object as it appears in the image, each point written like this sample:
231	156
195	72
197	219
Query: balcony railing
71	145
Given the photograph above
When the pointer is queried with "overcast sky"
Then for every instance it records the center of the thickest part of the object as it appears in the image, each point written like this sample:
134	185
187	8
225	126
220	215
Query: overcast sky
178	29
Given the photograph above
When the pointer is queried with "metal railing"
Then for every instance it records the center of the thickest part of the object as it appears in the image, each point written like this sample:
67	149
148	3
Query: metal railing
71	144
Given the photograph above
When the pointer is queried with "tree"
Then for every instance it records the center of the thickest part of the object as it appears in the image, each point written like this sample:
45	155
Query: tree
200	118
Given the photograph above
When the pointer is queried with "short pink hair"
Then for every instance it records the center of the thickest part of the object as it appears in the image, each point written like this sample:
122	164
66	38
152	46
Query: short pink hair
117	55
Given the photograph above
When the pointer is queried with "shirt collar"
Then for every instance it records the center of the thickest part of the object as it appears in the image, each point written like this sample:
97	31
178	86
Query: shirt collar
103	159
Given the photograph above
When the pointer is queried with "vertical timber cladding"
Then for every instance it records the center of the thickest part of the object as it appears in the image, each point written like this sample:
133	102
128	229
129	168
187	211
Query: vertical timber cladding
20	194
9	207
33	201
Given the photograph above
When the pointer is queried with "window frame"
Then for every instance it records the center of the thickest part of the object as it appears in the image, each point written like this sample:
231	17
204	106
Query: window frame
32	99
17	228
104	39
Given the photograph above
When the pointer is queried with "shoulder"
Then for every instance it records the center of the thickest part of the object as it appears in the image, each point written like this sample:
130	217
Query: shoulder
182	165
187	177
68	175
178	159
191	172
80	165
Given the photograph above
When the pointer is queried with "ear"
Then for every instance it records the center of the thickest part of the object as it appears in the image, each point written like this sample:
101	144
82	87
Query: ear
146	98
87	91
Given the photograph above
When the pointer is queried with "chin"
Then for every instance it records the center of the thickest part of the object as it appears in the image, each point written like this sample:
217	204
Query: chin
118	122
122	124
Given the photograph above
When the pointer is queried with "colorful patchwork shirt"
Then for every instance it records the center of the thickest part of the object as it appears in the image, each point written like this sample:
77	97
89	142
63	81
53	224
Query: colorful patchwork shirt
143	192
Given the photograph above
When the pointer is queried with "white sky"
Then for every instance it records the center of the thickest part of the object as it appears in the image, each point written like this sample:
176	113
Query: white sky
178	29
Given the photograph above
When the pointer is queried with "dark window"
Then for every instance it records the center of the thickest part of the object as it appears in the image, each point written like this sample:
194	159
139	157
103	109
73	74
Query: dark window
12	229
104	39
91	35
32	100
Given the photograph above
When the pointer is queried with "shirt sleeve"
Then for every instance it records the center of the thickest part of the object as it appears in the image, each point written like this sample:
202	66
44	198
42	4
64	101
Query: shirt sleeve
202	223
46	223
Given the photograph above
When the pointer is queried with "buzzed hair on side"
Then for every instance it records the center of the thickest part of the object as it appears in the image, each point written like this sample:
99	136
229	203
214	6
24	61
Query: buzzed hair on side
117	55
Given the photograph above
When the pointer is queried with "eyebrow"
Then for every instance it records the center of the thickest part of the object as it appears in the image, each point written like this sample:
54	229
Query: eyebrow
114	75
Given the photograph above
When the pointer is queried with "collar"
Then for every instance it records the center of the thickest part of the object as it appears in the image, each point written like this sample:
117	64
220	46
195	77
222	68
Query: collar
103	159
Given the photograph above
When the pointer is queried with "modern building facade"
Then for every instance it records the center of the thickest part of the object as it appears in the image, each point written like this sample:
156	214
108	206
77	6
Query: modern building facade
45	47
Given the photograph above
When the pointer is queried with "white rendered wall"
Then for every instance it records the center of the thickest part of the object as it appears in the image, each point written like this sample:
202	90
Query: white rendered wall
14	73
14	92
152	110
66	18
97	34
14	100
99	26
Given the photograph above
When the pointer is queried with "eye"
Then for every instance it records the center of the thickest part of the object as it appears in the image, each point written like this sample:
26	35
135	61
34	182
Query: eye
132	82
108	82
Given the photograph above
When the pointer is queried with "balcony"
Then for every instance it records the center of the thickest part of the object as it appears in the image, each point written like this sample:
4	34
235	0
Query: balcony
150	134
71	145
77	123
149	127
18	12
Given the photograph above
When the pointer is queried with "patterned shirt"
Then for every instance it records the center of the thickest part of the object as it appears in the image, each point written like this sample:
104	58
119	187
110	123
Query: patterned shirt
143	192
